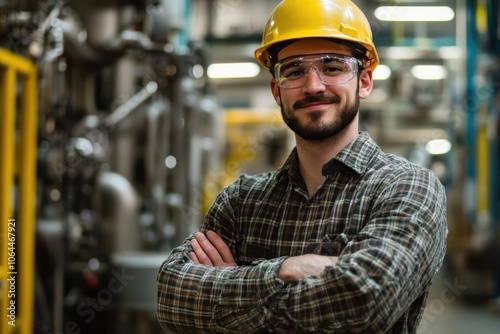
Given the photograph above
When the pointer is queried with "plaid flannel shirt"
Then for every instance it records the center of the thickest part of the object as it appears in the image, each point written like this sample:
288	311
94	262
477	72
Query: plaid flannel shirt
383	216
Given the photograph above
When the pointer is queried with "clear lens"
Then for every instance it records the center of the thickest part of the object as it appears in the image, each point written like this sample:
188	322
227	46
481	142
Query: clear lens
332	69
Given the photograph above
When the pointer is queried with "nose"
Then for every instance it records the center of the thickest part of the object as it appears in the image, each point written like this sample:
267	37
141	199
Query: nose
314	83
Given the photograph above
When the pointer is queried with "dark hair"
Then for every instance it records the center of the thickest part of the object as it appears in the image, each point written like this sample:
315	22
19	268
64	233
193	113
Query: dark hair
274	49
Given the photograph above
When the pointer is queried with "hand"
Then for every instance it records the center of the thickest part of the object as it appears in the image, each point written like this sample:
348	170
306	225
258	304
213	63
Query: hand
297	267
211	250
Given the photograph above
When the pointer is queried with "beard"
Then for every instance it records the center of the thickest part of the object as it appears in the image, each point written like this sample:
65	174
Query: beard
315	130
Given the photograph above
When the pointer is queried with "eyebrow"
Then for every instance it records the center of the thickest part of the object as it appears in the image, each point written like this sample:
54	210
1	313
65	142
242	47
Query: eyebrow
322	58
292	63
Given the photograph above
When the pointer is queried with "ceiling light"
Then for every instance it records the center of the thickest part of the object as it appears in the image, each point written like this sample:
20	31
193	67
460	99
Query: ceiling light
438	146
415	13
429	72
382	72
402	52
233	70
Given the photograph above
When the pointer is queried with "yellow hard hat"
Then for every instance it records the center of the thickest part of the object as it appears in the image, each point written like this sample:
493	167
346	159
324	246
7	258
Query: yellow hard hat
338	19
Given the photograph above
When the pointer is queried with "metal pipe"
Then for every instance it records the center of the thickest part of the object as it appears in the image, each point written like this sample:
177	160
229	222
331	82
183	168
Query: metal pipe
194	163
77	48
180	150
119	205
127	108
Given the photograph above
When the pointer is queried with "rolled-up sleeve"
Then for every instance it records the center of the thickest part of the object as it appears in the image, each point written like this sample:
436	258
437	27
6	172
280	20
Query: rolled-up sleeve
194	298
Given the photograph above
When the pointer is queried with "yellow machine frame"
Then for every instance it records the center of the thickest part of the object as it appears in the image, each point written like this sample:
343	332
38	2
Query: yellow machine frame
17	187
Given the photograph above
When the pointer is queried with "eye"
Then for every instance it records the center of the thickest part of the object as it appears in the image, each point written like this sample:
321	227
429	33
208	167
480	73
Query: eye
334	68
293	72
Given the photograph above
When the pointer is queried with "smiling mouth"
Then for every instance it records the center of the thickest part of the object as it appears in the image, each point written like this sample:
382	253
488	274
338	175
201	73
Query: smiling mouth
313	105
314	102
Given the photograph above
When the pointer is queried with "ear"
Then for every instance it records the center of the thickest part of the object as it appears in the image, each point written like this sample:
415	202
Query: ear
365	83
275	89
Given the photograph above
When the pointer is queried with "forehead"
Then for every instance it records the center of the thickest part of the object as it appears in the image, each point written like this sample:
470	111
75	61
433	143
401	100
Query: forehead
312	46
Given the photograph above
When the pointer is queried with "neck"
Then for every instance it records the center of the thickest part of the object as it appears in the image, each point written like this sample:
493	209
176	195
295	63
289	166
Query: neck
314	154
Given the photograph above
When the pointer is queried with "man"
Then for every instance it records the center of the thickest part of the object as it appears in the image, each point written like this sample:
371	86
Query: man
343	238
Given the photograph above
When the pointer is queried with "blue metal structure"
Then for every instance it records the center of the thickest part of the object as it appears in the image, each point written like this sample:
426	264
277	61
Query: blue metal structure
470	107
494	118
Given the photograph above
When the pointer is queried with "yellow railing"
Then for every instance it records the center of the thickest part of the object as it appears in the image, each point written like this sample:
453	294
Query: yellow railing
17	190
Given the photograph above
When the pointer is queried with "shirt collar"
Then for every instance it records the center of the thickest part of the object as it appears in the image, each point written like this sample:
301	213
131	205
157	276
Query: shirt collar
290	167
355	157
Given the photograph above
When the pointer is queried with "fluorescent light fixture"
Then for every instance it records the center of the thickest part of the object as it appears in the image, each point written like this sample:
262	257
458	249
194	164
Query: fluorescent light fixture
415	13
233	70
382	72
402	52
438	146
429	72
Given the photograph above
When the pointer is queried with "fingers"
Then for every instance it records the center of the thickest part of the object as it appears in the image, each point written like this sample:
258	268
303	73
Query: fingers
211	250
200	254
193	257
223	250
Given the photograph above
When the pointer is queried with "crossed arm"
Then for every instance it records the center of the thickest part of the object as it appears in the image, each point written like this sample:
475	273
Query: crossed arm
383	268
211	250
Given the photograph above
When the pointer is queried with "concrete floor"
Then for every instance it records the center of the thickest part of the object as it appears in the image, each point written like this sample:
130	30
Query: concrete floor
448	313
463	319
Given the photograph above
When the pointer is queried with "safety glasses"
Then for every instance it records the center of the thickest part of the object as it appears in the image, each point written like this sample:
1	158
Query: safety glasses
332	69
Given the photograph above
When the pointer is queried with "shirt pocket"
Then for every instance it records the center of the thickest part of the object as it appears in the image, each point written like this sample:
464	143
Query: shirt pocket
331	245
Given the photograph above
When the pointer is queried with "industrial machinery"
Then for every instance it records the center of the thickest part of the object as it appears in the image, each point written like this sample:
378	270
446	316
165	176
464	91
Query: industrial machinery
126	127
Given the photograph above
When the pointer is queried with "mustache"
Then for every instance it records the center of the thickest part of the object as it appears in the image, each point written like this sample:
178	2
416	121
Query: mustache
315	99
